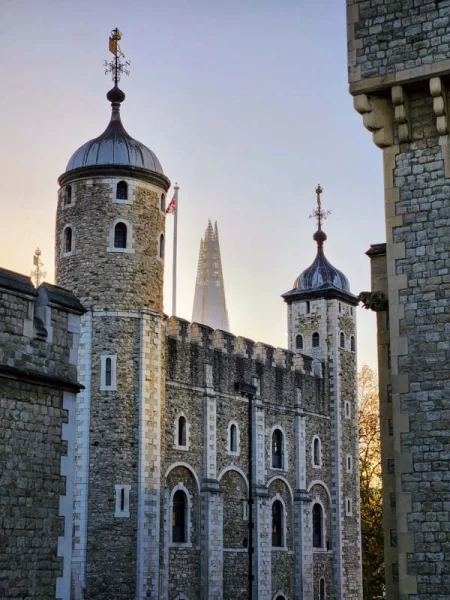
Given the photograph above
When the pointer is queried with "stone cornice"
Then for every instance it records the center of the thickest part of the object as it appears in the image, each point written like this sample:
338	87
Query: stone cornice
43	379
156	179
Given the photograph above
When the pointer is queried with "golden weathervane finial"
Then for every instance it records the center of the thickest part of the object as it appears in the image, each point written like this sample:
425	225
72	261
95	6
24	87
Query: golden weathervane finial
318	213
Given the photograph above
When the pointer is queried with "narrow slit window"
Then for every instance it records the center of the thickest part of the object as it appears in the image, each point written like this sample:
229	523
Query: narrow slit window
122	499
315	340
68	195
316	452
68	240
277	449
179	517
120	235
342	340
161	246
299	342
352	344
349	463
277	524
163	202
122	190
308	307
108	371
233	438
322	589
317	517
182	431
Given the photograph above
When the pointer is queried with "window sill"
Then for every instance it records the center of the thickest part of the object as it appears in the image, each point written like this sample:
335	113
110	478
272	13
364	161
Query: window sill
180	545
182	448
317	466
279	469
118	201
235	454
279	548
322	551
108	388
67	253
68	205
124	515
122	250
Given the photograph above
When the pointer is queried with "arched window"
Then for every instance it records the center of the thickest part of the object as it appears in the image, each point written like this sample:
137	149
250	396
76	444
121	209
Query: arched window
316	452
342	340
163	202
317	518
299	342
233	438
322	595
352	344
108	371
161	246
277	449
315	340
277	524
120	235
68	195
179	517
122	190
68	240
182	431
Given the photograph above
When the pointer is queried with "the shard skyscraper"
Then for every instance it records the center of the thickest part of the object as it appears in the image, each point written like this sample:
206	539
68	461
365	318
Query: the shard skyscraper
210	307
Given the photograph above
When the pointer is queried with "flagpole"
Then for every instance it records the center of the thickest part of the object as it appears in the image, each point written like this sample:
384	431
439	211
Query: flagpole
174	267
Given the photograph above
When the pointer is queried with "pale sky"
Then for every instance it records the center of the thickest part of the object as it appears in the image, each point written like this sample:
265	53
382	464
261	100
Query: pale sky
246	105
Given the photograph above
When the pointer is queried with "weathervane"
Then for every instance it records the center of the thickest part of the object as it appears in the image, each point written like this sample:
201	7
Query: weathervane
318	213
117	66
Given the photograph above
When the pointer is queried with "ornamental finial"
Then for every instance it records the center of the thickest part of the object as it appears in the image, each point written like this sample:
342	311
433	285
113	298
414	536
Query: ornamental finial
318	213
117	66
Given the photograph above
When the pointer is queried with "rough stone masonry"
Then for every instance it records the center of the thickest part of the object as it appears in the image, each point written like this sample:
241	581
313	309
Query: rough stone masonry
399	72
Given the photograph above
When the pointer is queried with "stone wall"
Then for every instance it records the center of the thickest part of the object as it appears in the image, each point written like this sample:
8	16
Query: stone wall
38	342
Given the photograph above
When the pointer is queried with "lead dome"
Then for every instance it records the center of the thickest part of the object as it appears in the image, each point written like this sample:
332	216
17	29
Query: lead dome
115	146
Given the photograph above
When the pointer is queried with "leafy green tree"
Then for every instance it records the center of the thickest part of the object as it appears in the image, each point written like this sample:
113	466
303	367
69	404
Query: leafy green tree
370	474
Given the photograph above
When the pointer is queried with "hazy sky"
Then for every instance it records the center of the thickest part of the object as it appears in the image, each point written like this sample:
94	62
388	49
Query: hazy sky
245	103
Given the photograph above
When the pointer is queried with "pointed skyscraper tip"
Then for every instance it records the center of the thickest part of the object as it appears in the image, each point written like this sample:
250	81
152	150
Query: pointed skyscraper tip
210	307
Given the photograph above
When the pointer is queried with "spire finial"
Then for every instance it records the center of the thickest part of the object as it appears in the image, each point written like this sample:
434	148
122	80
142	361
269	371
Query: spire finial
319	213
116	67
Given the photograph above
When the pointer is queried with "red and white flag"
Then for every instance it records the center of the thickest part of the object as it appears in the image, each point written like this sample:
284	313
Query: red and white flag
172	207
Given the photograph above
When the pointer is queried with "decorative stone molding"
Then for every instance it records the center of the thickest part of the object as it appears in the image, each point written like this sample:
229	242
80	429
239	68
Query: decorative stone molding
377	117
402	116
439	93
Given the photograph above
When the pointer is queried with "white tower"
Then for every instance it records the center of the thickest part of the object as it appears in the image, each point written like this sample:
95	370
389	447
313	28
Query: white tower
322	324
210	307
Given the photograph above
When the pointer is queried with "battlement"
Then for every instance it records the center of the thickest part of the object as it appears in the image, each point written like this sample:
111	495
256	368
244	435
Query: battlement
238	346
39	331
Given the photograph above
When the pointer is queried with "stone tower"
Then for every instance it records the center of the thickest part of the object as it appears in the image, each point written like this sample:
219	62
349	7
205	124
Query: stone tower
110	253
399	69
322	324
210	307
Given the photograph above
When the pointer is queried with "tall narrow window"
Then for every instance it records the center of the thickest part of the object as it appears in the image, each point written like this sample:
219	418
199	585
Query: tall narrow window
122	499
179	510
233	438
352	343
340	308
108	372
161	246
277	449
68	240
122	191
315	340
316	452
322	589
317	517
277	524
120	235
299	342
308	307
182	431
163	202
349	463
68	195
342	340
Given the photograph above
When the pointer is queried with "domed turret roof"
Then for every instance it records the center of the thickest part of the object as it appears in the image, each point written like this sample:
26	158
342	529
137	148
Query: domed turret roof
115	146
321	274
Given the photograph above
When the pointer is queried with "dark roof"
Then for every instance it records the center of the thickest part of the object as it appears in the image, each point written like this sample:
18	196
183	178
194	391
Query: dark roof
16	282
62	298
376	249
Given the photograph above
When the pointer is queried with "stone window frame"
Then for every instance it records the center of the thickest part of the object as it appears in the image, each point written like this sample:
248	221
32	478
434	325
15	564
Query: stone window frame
158	245
129	248
238	439
323	547
324	595
352	343
349	463
347	409
316	466
188	433
284	455
348	507
342	340
63	240
315	336
122	492
65	204
283	547
188	544
126	188
103	386
130	191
